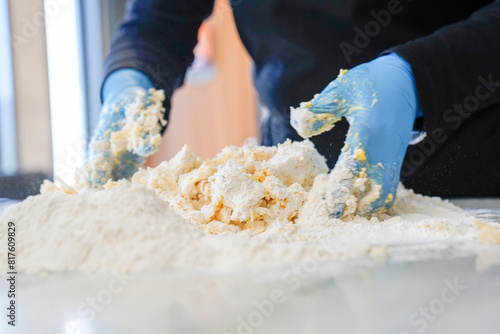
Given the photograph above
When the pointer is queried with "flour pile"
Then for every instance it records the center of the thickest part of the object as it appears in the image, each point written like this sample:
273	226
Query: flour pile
250	207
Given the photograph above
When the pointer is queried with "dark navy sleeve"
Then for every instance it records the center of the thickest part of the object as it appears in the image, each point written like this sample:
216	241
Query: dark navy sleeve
457	69
157	37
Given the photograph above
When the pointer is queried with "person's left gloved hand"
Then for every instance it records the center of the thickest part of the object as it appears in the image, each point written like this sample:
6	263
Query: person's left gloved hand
380	103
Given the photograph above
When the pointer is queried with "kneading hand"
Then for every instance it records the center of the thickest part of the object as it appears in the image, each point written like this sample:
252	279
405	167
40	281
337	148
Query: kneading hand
129	127
379	101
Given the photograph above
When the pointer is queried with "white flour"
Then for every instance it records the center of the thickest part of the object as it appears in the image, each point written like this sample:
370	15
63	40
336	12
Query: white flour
269	214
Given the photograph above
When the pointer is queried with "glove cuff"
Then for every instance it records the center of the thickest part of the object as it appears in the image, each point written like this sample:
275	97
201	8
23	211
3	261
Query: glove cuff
404	64
122	79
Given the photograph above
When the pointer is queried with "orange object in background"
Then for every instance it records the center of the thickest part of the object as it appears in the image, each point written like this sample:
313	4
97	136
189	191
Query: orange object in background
205	47
223	112
203	70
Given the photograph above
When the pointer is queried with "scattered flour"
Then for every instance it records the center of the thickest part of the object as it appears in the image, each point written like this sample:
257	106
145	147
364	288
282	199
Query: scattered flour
249	207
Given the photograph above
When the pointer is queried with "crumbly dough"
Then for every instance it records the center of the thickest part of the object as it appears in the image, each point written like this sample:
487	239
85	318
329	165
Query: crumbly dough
138	133
142	127
355	193
308	124
246	187
488	234
359	154
249	207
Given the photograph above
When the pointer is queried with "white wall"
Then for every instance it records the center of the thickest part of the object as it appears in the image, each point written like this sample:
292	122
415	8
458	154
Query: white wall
31	85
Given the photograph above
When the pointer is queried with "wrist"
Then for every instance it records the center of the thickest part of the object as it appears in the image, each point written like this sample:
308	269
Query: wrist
124	79
398	61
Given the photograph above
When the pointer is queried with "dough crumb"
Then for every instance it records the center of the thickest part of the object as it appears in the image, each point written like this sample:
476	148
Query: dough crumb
488	234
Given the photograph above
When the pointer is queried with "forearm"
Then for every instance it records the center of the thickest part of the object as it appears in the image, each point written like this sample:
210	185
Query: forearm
456	69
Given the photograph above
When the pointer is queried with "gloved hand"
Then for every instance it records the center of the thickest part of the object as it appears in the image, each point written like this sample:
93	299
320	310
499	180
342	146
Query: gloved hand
380	103
129	127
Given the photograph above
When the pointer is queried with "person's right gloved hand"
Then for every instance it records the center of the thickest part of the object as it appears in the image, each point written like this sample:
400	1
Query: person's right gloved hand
129	127
379	100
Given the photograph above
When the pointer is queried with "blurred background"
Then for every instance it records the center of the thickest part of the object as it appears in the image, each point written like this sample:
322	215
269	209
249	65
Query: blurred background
51	55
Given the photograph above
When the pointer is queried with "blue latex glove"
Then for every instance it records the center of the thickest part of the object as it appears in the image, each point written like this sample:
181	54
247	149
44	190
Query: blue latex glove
120	90
379	101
